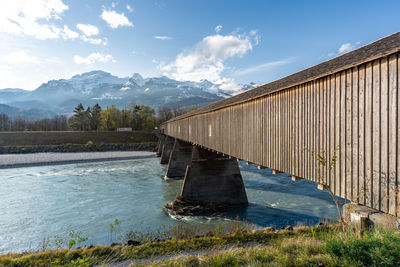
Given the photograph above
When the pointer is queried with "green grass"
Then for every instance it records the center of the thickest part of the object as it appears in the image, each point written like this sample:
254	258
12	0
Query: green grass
304	246
69	137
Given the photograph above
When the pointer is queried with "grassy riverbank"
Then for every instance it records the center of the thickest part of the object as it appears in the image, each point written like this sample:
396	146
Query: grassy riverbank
71	137
35	142
301	246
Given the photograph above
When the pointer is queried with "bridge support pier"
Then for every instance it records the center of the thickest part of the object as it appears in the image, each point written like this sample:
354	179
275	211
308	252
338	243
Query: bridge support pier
160	145
213	179
181	155
166	150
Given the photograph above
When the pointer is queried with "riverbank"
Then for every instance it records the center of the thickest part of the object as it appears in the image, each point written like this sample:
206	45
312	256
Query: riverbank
44	159
325	245
88	147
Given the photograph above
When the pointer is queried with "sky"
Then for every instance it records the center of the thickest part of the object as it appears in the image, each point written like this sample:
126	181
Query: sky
228	42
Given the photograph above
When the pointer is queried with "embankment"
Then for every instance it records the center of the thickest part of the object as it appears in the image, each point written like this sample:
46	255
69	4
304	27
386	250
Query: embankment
35	142
301	246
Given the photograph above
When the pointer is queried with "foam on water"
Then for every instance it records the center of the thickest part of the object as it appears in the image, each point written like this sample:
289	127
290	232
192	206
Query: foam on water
41	202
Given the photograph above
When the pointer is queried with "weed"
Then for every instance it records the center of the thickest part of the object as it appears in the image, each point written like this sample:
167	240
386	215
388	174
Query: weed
112	228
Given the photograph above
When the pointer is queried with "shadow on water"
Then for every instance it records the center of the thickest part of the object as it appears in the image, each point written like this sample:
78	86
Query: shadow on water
275	200
263	216
297	189
282	183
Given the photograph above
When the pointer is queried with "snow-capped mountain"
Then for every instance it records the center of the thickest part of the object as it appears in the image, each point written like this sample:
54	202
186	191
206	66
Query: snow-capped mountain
61	96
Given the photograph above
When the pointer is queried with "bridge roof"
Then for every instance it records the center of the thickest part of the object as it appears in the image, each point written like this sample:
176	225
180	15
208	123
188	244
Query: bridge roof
382	47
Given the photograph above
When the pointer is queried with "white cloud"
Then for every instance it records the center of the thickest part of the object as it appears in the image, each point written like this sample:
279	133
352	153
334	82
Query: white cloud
206	59
115	19
93	58
21	57
256	37
163	38
69	34
218	28
32	18
95	41
113	5
263	67
129	8
230	85
344	48
87	29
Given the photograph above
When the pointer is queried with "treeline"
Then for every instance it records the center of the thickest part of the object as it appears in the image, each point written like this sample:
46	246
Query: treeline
18	123
137	117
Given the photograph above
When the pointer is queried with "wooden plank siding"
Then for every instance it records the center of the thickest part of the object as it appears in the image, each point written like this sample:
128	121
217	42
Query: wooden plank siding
355	109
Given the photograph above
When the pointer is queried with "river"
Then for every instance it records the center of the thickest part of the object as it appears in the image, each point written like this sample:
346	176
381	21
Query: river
42	202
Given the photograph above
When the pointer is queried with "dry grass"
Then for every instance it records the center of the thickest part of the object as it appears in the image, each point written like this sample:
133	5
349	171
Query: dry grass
303	246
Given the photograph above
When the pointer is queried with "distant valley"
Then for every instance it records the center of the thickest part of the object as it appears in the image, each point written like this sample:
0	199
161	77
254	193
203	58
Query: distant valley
61	96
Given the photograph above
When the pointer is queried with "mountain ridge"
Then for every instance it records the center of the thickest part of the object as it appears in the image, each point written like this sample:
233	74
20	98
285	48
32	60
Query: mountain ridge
97	86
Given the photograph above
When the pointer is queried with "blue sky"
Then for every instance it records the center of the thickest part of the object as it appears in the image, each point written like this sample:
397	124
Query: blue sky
226	41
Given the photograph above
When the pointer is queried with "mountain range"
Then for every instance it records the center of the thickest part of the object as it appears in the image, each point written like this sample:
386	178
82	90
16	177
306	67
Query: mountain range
61	96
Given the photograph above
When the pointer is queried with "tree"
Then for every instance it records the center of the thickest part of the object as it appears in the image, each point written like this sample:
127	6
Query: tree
94	120
109	119
167	113
164	114
5	123
143	117
78	120
126	118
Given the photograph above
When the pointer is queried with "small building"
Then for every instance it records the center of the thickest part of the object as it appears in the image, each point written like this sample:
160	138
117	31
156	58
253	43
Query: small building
124	129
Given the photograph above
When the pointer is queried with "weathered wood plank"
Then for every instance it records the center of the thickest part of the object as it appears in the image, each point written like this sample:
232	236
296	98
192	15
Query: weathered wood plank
384	135
376	135
393	131
348	134
354	135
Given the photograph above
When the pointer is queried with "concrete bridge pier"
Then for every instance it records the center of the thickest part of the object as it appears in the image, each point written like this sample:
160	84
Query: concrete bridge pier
166	150
160	145
179	159
213	179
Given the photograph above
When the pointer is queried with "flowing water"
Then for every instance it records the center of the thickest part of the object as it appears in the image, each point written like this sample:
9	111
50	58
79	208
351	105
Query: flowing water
42	202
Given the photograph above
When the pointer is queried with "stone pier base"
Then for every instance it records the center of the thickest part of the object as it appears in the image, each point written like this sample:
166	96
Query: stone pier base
362	217
180	158
214	179
167	148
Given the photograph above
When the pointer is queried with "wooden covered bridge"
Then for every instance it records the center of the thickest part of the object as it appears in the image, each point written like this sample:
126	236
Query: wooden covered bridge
345	108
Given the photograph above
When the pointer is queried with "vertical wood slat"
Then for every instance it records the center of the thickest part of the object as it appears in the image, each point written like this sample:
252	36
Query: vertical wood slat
355	109
354	135
332	130
337	134
393	131
361	135
384	136
376	131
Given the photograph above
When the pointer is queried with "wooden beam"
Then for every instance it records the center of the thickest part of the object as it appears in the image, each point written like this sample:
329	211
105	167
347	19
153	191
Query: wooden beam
261	167
322	186
296	178
274	172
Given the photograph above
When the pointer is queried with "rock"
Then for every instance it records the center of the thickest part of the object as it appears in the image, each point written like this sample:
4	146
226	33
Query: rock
289	228
133	243
189	207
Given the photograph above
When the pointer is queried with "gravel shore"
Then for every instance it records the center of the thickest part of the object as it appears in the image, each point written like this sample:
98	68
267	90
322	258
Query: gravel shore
42	159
